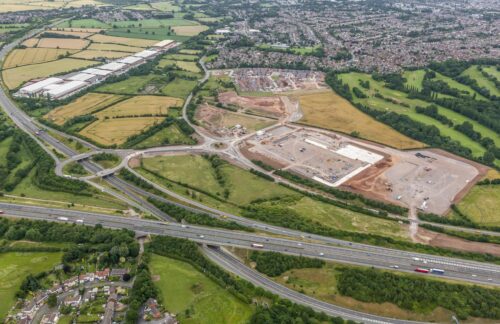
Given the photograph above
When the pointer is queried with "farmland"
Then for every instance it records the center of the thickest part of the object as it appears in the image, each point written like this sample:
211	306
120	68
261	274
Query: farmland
15	77
114	47
116	131
241	188
183	65
98	38
83	23
189	30
167	136
25	5
27	56
64	43
185	290
179	88
482	204
140	106
84	105
132	85
93	54
329	110
15	266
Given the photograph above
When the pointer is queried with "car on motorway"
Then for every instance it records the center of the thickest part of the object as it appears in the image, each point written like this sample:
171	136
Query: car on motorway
65	219
395	266
321	254
80	221
422	270
202	236
2	212
257	245
437	271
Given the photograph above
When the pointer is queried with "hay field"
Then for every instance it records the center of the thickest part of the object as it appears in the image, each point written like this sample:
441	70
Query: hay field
115	131
189	30
69	43
122	40
114	47
94	54
84	105
141	105
30	42
328	110
14	77
26	56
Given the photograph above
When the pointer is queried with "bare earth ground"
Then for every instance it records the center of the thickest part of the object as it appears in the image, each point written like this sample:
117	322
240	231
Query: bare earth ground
267	106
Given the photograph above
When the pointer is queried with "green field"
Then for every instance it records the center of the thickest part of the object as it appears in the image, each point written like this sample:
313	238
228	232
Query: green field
179	88
83	23
457	85
15	266
414	78
493	71
154	23
131	85
185	291
146	33
181	57
164	6
168	136
482	204
474	73
244	187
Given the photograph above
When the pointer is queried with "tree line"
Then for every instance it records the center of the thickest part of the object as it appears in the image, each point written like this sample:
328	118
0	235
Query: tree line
274	264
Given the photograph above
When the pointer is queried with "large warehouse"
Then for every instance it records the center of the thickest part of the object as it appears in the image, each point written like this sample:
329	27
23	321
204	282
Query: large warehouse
67	85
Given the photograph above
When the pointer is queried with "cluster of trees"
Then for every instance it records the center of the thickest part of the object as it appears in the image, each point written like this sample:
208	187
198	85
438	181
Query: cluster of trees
57	35
393	81
141	183
487	182
274	264
432	111
289	218
105	157
334	81
143	289
279	310
183	214
358	93
217	164
418	294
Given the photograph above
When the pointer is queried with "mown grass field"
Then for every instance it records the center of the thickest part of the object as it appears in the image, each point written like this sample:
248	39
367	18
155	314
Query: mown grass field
15	266
65	43
183	288
414	79
245	187
188	66
15	77
179	88
474	73
83	105
116	131
131	85
457	85
83	23
482	205
140	105
328	110
27	56
491	70
98	38
377	103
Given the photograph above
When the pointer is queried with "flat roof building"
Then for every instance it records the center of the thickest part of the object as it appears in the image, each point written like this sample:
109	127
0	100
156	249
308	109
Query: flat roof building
146	54
163	43
64	89
113	66
131	60
98	72
82	77
38	86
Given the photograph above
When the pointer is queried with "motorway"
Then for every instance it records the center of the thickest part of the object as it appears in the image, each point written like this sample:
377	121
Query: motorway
328	248
383	258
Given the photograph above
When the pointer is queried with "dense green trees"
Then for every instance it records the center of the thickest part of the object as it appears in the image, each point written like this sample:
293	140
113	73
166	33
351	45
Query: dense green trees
418	294
273	264
141	291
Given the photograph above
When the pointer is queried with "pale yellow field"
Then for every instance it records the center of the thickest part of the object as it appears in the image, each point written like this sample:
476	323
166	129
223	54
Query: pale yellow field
19	57
328	110
189	30
84	105
63	43
141	105
117	130
14	77
30	42
93	54
114	47
15	7
72	33
12	6
122	40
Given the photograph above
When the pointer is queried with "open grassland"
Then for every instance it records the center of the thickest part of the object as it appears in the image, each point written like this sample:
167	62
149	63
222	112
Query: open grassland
20	57
114	47
98	38
116	131
474	73
328	110
493	71
167	136
141	105
179	88
189	30
30	42
66	43
482	205
84	105
183	288
459	86
83	23
414	79
15	266
14	77
182	57
352	79
131	85
183	65
93	54
164	6
242	187
155	23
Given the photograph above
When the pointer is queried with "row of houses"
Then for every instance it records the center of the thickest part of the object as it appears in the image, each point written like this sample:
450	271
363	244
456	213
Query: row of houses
67	85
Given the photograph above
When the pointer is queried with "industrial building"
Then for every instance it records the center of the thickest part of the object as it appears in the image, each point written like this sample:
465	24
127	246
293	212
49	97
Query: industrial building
67	85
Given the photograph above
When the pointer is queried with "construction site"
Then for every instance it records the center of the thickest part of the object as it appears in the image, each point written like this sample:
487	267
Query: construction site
424	179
